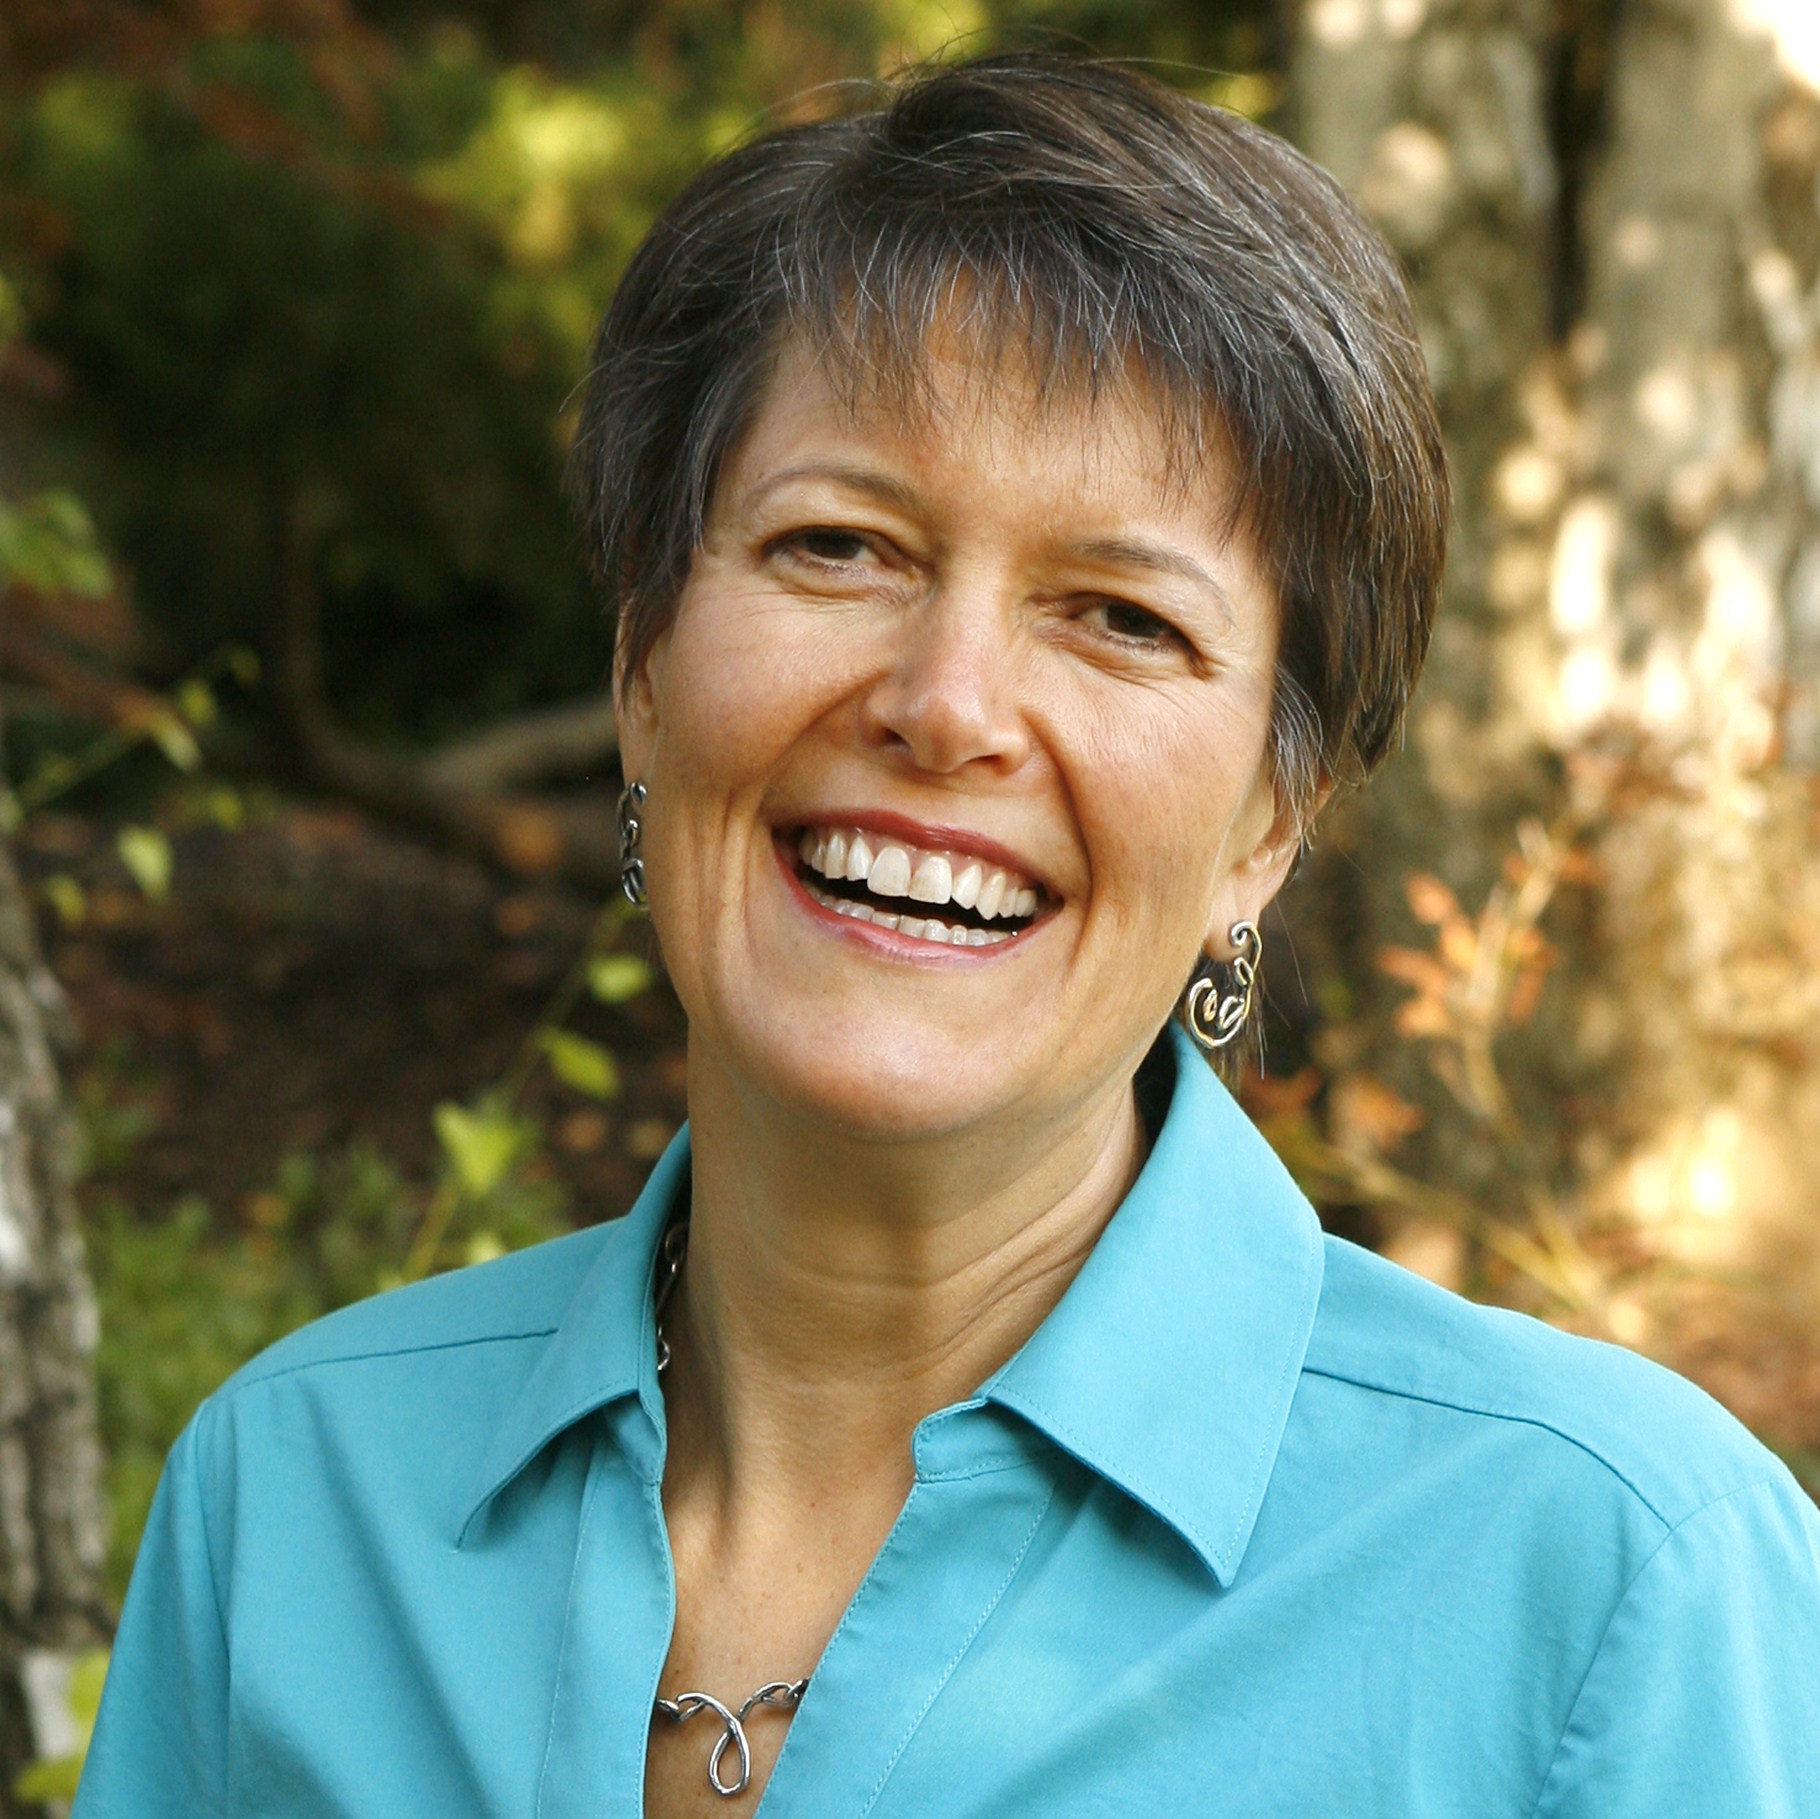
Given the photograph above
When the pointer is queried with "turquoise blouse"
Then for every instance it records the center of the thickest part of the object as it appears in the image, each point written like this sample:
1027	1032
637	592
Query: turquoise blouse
1256	1523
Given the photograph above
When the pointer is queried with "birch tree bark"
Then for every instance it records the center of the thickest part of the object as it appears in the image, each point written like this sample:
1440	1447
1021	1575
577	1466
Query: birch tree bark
51	1539
1610	210
1687	605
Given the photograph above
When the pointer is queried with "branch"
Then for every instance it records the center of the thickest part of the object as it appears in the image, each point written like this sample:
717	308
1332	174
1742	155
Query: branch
564	741
75	687
524	834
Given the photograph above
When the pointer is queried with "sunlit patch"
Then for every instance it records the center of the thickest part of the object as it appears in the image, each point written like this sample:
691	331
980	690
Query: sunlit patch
1792	26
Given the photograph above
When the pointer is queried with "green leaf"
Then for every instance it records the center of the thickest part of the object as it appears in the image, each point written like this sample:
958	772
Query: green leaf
176	741
67	898
581	1064
243	665
226	808
54	1778
481	1144
613	978
83	1694
485	1247
196	702
146	853
55	774
49	543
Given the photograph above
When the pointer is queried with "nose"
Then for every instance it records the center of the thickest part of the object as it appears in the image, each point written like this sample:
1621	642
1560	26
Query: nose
949	697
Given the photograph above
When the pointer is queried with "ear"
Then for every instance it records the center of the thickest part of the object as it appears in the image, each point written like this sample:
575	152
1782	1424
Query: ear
1247	890
637	691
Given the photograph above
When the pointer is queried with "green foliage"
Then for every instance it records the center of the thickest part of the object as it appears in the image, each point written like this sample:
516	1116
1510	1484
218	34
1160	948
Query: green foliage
481	1143
616	978
48	542
153	721
146	853
187	1297
581	1064
67	898
182	1307
55	1777
321	332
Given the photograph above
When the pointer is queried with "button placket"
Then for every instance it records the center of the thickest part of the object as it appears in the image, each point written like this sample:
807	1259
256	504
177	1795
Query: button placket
950	1558
620	1615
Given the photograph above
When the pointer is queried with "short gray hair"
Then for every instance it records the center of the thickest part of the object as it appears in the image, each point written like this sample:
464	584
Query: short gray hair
1099	221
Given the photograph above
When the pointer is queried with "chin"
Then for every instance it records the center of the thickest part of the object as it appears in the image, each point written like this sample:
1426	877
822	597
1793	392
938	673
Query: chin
889	1086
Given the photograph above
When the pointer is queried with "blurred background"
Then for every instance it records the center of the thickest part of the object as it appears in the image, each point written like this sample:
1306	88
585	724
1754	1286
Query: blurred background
311	979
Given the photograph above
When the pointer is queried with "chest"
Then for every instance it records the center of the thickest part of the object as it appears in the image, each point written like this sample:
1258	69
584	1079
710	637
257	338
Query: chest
750	1625
1026	1639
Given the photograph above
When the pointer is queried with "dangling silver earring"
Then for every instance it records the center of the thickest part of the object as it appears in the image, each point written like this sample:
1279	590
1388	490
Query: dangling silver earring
1216	1017
631	856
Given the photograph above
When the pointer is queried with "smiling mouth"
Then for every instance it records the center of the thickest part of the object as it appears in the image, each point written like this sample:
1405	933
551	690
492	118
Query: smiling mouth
947	898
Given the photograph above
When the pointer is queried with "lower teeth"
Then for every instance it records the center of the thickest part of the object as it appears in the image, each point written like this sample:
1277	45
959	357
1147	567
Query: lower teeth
917	928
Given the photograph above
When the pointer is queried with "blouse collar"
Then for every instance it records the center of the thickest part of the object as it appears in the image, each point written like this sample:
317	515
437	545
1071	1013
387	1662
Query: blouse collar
1168	1366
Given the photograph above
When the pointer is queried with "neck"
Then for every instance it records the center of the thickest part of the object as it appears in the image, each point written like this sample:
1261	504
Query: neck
837	1290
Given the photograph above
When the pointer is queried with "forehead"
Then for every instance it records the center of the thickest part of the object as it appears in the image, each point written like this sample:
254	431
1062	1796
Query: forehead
967	383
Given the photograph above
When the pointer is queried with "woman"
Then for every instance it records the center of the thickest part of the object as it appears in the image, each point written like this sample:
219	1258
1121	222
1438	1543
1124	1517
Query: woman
1023	505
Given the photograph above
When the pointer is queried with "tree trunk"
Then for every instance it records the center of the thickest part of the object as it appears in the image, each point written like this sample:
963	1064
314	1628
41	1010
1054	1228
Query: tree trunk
1609	211
1687	601
51	1537
1436	115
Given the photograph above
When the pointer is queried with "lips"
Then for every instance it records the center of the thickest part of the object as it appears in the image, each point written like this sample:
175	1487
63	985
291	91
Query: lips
942	894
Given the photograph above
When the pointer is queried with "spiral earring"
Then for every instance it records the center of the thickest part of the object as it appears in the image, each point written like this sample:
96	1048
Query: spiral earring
1216	1017
631	834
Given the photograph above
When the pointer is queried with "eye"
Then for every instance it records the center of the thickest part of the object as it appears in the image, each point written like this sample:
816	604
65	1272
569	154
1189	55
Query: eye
1130	624
824	544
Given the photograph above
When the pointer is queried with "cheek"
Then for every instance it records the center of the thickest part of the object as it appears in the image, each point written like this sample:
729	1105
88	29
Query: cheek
1158	786
745	701
737	687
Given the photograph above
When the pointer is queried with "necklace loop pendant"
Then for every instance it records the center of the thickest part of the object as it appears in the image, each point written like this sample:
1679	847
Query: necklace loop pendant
782	1695
684	1707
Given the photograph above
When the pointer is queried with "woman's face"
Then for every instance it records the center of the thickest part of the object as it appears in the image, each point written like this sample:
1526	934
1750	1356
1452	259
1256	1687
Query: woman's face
989	670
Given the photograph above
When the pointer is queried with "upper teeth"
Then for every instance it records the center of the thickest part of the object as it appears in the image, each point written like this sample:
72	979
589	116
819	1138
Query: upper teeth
888	868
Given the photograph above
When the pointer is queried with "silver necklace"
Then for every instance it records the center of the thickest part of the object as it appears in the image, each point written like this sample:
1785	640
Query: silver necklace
786	1695
775	1695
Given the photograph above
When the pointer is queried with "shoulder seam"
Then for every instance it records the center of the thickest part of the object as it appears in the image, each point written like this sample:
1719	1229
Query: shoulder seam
1611	1617
389	1351
1524	1418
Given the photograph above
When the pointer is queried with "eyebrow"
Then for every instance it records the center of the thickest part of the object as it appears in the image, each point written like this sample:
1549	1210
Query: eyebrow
860	479
1154	558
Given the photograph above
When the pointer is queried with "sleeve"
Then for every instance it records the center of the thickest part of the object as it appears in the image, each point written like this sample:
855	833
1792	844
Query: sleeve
1704	1697
160	1745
